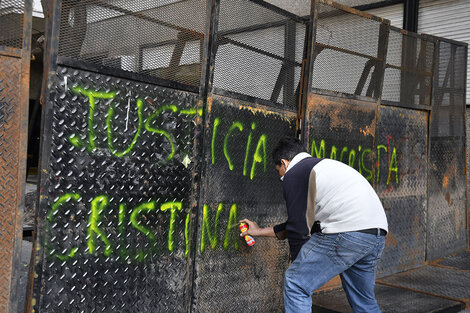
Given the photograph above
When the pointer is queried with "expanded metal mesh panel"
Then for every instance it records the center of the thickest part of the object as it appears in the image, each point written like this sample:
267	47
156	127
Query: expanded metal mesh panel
115	196
346	48
446	229
159	38
259	55
449	92
10	69
401	180
409	69
240	181
11	20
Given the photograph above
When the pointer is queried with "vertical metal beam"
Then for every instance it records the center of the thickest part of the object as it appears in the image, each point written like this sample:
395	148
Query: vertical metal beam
410	15
52	16
207	75
307	69
289	53
377	79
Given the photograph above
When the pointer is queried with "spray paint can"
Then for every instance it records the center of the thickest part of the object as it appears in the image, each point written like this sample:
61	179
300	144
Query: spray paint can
249	240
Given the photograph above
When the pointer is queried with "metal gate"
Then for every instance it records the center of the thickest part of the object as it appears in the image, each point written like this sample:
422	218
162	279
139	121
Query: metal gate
15	47
158	129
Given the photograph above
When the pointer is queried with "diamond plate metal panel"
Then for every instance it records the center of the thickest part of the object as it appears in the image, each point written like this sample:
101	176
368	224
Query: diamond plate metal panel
446	229
402	185
240	181
343	130
10	110
115	196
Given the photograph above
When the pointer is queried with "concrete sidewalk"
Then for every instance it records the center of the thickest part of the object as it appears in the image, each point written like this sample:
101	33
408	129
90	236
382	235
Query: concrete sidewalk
443	286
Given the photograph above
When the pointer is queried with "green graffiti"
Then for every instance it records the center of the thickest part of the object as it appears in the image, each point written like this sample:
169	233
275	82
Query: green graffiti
173	207
191	111
206	230
333	152
171	108
144	207
110	133
343	151
393	166
122	230
352	158
76	141
235	125
379	159
363	164
352	155
247	150
230	232
186	235
259	156
319	152
98	204
92	95
54	210
214	133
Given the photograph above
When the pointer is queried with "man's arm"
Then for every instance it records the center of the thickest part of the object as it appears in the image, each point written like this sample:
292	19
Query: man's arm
277	231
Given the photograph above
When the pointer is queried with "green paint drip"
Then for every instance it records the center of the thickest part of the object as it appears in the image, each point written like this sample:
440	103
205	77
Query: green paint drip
92	95
206	230
393	166
110	131
151	129
363	164
230	231
378	160
214	134
319	152
186	235
144	207
54	208
173	207
234	126
98	204
259	156
247	151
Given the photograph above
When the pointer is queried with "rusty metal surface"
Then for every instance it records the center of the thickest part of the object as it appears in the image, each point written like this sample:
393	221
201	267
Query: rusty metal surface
388	147
15	51
240	180
401	179
343	130
10	69
115	196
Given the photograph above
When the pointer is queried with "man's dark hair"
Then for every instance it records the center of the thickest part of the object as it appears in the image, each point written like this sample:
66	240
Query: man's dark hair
287	149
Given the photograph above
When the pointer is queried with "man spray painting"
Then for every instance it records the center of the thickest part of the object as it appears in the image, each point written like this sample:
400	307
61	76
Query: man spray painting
335	224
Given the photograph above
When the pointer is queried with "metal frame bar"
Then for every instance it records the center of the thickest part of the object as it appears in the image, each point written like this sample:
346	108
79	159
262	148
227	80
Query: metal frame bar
23	110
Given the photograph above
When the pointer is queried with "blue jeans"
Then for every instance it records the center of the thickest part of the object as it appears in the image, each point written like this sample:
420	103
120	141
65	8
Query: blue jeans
353	255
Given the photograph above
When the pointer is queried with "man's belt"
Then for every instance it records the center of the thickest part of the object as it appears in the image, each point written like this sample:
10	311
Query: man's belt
373	231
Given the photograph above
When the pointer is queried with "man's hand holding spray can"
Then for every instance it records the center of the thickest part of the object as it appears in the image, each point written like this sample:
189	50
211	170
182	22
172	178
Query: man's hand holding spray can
248	239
